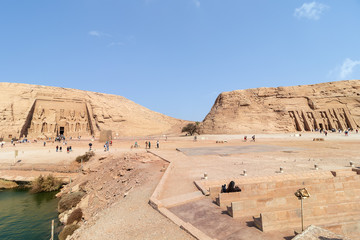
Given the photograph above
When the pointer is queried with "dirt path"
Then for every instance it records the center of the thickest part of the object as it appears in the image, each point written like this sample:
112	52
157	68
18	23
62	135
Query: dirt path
133	218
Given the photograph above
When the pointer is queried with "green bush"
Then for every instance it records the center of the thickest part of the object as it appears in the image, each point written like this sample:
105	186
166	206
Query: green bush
69	201
45	184
75	216
67	231
192	128
85	158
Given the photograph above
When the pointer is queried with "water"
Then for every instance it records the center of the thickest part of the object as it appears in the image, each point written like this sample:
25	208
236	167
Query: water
26	216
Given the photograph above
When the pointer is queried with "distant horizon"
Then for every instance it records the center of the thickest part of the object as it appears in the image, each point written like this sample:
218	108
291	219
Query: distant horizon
175	57
170	115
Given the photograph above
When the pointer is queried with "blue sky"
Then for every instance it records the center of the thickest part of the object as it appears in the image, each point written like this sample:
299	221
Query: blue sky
176	56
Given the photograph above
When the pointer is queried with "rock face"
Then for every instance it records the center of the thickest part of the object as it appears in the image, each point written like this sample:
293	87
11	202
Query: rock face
41	112
333	105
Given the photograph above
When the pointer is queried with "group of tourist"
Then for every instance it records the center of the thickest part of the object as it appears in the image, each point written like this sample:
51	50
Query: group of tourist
253	138
346	132
59	148
230	188
148	144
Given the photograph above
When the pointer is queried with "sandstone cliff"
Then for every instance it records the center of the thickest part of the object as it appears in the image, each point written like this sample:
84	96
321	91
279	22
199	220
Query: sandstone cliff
40	111
333	105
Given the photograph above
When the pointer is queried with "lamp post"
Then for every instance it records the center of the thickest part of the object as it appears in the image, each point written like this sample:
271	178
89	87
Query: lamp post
302	194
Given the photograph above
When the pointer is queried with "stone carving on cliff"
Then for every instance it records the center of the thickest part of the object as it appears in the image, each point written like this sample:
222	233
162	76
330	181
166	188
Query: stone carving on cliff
327	119
298	108
52	121
20	110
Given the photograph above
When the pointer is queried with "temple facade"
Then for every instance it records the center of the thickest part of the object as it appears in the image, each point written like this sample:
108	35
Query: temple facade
325	119
49	118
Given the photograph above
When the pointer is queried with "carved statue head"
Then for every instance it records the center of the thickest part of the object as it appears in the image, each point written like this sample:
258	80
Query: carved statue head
72	113
82	114
40	112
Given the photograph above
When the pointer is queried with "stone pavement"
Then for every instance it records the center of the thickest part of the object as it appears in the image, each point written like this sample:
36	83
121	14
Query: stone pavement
228	150
260	159
212	220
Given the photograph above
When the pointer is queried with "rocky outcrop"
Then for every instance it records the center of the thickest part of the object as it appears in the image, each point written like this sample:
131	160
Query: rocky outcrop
40	112
333	105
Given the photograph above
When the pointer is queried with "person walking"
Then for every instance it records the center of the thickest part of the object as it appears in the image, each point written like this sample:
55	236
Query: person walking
57	148
157	144
149	145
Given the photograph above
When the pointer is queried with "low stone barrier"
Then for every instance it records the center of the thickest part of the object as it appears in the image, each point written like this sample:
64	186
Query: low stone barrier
225	199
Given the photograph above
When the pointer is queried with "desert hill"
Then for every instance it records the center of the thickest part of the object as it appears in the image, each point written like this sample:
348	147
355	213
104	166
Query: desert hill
40	111
333	105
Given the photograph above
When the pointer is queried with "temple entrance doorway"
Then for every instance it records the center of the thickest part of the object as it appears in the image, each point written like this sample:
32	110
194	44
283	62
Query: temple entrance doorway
61	130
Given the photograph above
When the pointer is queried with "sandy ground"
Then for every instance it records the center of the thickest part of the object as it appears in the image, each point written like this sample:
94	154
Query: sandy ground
133	218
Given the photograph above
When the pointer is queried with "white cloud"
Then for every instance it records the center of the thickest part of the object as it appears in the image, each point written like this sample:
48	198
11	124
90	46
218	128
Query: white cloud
115	44
311	10
197	3
347	68
98	34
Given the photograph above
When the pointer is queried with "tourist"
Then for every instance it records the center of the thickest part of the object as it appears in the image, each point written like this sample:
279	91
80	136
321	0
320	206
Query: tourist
90	145
157	144
146	145
233	188
223	188
325	133
70	149
60	148
107	146
195	138
253	138
357	131
149	145
245	138
136	145
2	145
57	148
67	149
111	143
44	143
